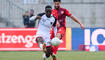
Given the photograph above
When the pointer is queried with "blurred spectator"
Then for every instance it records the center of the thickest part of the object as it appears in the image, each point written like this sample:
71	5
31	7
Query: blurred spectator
26	19
32	23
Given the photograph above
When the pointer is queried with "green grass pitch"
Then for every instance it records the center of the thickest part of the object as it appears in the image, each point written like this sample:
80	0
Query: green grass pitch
62	55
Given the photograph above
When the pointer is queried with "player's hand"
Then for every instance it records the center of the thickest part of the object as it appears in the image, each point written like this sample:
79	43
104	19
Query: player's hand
81	25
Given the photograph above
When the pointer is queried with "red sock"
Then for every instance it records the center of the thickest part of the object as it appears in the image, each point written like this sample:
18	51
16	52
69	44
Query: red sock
55	58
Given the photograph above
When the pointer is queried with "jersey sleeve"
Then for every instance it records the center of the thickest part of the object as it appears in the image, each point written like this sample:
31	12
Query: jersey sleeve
40	14
67	13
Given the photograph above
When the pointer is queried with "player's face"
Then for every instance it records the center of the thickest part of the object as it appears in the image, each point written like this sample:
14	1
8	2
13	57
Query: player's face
31	12
27	13
56	5
48	12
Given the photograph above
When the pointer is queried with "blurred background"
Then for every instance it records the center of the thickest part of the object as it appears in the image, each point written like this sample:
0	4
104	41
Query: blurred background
90	12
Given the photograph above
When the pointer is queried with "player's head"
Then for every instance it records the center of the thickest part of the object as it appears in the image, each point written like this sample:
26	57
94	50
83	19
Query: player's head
57	4
31	11
48	10
26	13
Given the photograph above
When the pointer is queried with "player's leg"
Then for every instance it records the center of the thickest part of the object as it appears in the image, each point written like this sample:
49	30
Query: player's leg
54	50
48	48
41	43
52	47
47	53
44	56
60	34
39	40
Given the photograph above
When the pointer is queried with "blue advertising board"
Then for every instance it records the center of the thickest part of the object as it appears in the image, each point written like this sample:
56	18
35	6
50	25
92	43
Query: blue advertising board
77	38
88	36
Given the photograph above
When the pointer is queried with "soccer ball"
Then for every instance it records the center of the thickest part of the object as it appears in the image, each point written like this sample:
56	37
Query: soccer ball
56	41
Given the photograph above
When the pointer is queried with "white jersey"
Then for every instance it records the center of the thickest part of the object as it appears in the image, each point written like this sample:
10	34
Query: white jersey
45	25
44	28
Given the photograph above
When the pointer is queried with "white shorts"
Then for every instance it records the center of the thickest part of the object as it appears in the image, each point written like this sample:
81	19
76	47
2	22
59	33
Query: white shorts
46	38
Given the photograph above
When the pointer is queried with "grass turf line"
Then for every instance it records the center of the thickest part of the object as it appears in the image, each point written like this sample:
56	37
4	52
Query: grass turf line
62	55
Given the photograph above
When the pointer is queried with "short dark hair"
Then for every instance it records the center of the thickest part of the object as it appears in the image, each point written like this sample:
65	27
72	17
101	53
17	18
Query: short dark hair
32	10
48	6
56	0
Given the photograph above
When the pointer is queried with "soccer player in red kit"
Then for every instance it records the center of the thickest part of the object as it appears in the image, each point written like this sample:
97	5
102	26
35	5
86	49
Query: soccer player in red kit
60	14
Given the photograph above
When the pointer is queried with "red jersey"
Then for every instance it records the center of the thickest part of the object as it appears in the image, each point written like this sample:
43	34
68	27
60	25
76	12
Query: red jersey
60	15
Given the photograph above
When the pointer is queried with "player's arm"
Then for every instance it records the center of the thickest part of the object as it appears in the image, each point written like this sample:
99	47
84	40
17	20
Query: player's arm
73	18
76	20
33	18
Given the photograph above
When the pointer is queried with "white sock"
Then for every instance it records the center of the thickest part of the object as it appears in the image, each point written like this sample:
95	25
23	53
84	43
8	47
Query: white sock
40	45
44	56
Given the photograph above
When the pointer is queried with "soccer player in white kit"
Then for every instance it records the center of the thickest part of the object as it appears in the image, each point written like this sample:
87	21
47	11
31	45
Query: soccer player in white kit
46	21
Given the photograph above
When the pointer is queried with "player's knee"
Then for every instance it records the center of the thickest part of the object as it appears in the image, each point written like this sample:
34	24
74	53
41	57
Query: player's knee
39	39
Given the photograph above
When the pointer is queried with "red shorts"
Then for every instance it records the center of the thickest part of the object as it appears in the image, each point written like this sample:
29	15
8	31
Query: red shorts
60	31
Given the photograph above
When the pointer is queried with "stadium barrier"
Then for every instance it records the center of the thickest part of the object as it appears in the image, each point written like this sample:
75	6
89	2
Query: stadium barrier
23	39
